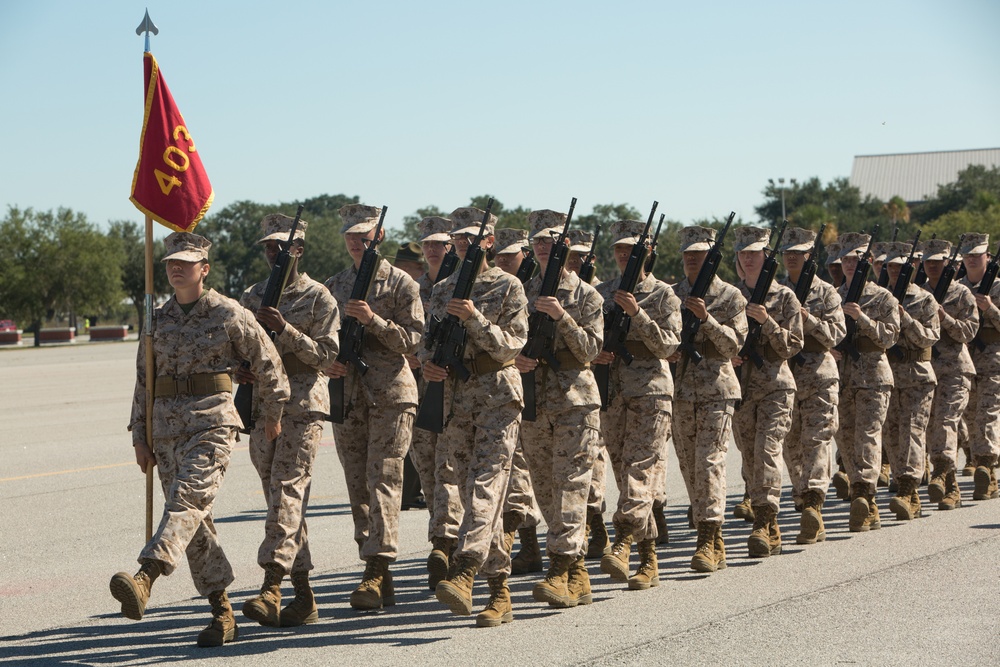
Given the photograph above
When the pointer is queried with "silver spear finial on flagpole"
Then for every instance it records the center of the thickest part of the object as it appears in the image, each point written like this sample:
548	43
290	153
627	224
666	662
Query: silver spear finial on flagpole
147	26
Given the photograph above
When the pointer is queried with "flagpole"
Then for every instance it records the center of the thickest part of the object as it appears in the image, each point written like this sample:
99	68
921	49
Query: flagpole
147	27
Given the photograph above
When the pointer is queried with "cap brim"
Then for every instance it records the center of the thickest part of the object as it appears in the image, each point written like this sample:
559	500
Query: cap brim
359	228
697	246
440	236
579	248
626	240
186	256
757	245
937	255
897	260
547	232
280	236
473	230
851	251
978	250
801	247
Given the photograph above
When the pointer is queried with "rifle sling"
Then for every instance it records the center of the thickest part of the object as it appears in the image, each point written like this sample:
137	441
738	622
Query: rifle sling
199	384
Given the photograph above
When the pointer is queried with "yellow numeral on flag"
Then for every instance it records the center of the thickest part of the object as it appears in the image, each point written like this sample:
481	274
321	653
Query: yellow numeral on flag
166	182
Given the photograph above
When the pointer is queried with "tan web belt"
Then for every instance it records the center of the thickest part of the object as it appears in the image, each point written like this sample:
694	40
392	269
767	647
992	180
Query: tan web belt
199	384
483	363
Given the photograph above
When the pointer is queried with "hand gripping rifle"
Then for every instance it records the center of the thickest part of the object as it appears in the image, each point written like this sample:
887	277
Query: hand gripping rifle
651	260
243	400
805	283
447	336
352	332
899	292
858	281
587	269
690	323
947	275
985	287
883	276
616	321
527	268
759	296
541	327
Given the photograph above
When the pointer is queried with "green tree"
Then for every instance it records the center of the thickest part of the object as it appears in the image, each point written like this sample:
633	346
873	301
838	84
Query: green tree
132	240
977	188
810	204
604	215
952	225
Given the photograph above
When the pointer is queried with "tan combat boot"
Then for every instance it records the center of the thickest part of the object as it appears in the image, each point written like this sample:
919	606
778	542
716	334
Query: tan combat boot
578	583
498	609
529	556
647	575
266	607
554	587
704	559
615	562
223	628
936	487
439	560
902	503
133	591
885	471
599	542
720	548
302	609
662	534
861	510
765	539
456	590
842	484
743	510
952	494
970	466
985	479
811	528
375	590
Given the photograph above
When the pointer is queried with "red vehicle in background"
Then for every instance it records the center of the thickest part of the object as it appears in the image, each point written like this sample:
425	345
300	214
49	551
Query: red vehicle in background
7	325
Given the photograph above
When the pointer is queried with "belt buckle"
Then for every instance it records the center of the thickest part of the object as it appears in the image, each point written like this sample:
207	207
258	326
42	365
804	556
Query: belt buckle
182	386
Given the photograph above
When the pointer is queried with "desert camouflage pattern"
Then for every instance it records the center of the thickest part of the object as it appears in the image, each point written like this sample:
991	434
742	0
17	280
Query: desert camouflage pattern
865	387
520	490
765	414
483	414
560	446
191	469
213	338
984	402
701	440
920	328
808	445
395	331
312	321
598	481
714	379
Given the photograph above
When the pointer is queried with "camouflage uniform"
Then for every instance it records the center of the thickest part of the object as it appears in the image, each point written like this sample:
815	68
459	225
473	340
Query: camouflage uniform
381	404
866	383
765	413
914	380
984	401
561	444
193	434
483	413
308	344
706	397
808	445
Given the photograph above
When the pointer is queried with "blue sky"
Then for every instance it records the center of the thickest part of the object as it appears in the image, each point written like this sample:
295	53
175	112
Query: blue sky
415	103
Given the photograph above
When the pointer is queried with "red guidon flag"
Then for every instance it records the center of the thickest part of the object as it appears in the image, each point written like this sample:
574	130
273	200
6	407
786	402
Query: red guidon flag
170	184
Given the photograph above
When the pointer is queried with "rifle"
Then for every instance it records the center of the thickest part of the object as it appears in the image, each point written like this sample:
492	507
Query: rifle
690	323
448	264
805	282
587	269
243	400
759	296
947	275
651	260
447	336
541	327
921	276
853	294
352	332
883	276
527	268
616	321
899	292
985	287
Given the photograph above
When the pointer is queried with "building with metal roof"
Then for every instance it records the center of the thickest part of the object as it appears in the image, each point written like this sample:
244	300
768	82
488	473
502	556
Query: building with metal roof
915	176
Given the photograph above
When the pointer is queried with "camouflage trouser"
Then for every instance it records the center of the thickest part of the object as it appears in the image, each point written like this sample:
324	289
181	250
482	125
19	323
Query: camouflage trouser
520	491
437	481
595	497
285	467
371	444
191	469
701	440
482	446
560	449
635	432
950	400
862	414
809	443
984	422
906	432
759	427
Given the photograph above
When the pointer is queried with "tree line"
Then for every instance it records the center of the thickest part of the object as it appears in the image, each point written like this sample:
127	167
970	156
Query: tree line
55	265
